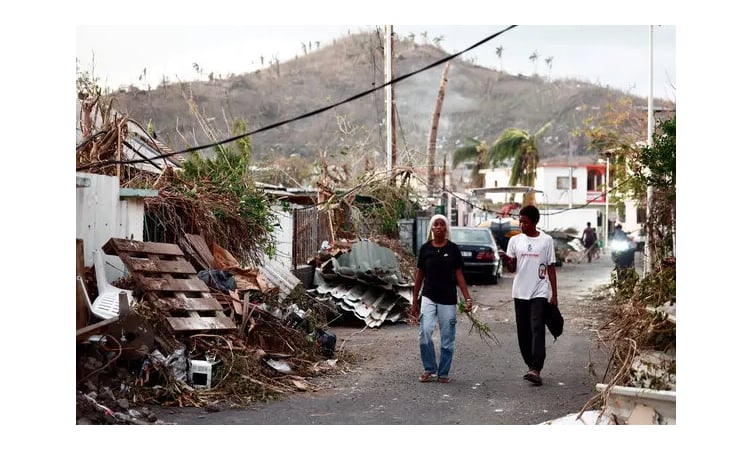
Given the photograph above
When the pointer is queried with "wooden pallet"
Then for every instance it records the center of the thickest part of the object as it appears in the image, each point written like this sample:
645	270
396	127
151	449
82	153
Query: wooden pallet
170	282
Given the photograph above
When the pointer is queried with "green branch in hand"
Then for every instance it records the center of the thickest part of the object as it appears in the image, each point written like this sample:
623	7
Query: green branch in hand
485	333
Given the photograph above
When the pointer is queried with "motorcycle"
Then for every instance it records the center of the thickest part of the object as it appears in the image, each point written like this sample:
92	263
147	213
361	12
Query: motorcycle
623	252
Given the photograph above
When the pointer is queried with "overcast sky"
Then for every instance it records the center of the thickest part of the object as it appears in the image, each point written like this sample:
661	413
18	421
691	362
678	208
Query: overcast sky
616	56
39	38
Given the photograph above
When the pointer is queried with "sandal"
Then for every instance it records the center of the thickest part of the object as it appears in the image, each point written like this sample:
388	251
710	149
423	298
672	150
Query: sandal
426	377
444	380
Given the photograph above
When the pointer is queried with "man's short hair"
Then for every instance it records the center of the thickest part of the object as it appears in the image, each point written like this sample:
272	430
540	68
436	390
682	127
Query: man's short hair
530	211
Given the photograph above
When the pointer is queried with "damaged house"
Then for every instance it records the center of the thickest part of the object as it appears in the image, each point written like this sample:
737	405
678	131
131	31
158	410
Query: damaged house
184	298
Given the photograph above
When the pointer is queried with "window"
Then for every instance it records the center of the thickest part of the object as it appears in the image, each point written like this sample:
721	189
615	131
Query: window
640	214
562	183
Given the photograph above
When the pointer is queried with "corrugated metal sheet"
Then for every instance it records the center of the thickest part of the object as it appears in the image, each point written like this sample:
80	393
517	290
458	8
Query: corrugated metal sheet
365	282
372	304
277	274
368	262
422	226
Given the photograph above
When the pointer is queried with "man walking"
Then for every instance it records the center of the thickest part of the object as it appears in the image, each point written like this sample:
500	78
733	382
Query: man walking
589	240
532	255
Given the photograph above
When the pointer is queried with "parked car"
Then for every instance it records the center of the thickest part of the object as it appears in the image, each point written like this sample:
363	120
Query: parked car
479	250
503	229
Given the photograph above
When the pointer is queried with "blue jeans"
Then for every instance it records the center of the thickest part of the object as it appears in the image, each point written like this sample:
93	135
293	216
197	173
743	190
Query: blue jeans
432	315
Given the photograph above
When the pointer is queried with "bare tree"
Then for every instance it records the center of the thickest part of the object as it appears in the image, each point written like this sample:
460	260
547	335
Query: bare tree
434	127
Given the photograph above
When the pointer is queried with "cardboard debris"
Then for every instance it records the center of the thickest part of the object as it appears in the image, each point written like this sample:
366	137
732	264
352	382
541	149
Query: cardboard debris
643	415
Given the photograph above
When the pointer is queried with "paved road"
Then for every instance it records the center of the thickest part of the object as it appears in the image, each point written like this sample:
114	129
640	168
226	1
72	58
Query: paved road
487	388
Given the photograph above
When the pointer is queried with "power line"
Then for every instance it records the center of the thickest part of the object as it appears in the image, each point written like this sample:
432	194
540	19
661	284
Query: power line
302	116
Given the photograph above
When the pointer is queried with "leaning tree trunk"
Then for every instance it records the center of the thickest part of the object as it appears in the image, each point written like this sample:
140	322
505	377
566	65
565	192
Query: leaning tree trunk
433	130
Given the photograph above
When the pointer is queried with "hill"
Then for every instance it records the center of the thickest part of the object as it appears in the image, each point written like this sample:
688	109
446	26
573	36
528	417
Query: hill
479	102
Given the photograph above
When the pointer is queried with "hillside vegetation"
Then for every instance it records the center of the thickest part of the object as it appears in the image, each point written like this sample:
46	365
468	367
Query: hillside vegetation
479	103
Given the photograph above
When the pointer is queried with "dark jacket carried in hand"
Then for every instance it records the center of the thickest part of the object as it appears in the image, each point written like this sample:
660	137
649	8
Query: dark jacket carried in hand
553	319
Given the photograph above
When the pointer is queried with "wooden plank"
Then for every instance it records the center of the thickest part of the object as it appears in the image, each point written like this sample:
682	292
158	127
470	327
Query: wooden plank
151	284
85	332
80	259
182	302
201	247
117	246
154	264
201	323
192	255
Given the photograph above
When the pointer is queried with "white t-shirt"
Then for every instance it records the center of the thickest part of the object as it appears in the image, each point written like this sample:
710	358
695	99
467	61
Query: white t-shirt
533	255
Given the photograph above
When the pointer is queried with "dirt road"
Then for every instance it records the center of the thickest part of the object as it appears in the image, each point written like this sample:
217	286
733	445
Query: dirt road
488	388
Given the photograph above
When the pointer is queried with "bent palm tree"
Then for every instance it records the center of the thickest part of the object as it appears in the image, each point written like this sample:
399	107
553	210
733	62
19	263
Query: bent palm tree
476	151
522	148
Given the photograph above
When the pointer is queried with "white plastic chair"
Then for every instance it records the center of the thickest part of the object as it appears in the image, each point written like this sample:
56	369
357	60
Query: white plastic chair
107	303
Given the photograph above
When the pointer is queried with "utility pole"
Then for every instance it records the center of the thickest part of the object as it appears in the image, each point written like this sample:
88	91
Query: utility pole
446	197
570	176
649	142
606	204
390	118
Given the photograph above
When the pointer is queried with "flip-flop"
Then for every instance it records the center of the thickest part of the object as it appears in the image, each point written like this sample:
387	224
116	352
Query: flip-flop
444	380
426	377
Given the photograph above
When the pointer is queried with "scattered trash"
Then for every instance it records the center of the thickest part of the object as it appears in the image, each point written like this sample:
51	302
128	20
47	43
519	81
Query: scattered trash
200	373
223	280
325	341
279	366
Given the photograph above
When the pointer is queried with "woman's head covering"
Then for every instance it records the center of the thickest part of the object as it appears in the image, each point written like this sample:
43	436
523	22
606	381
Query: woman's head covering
447	226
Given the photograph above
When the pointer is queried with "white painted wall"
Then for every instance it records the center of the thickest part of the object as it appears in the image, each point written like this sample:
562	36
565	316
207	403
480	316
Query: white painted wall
498	177
101	215
562	219
546	180
631	217
282	236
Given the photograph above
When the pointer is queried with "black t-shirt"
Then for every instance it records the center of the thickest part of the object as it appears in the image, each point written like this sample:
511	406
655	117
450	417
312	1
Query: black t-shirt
439	266
589	237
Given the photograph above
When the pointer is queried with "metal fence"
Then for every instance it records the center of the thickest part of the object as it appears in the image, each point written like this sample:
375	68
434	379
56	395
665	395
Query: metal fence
311	228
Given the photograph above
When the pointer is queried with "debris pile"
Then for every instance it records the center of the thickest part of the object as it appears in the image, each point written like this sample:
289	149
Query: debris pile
642	339
232	340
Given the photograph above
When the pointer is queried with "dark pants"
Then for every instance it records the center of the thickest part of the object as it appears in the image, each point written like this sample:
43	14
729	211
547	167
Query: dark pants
530	328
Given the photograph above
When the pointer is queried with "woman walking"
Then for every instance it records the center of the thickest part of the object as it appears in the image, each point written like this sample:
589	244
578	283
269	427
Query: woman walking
439	270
